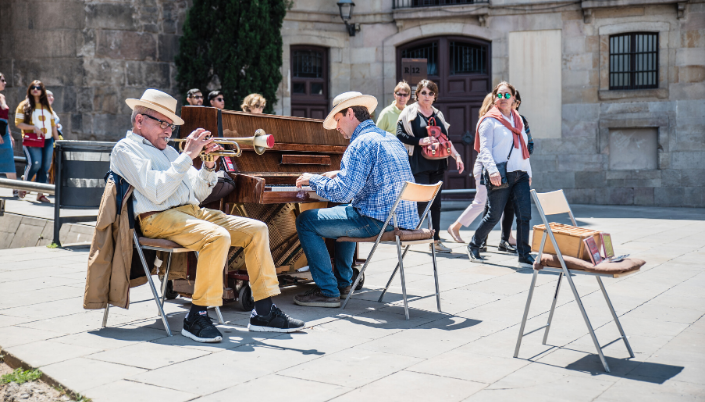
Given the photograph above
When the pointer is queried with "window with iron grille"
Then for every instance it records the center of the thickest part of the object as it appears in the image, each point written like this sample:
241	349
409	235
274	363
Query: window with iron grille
634	61
307	64
427	51
466	58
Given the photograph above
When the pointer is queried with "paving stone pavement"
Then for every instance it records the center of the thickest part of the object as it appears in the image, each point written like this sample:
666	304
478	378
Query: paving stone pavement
369	351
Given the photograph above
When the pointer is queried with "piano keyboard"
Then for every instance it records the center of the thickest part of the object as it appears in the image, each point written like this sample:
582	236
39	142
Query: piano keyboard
279	187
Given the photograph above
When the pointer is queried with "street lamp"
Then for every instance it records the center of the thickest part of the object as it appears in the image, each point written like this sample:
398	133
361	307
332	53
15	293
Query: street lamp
346	10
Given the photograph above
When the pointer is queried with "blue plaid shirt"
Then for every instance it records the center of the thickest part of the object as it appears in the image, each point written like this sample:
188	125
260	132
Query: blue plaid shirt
372	173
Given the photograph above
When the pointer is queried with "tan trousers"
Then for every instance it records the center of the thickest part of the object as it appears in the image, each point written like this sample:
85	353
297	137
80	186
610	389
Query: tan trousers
211	233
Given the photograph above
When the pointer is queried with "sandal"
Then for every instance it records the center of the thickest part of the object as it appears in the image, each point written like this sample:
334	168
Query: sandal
455	235
43	198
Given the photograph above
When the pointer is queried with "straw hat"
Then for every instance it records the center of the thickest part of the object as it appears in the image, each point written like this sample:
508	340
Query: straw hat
159	102
344	101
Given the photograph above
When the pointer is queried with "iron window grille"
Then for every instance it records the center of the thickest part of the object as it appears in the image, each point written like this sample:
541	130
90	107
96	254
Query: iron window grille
466	58
427	51
634	61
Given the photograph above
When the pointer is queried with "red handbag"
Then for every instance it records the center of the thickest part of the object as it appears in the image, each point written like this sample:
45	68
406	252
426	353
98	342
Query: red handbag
33	139
441	150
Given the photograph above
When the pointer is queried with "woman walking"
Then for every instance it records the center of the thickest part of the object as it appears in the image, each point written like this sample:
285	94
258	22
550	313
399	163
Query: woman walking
502	151
35	117
7	143
389	116
479	203
412	131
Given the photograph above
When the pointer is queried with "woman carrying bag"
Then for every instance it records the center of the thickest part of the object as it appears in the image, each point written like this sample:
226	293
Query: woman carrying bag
35	117
501	143
428	154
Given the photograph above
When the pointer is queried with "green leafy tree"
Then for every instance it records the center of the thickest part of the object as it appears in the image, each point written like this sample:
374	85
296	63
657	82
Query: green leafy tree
237	42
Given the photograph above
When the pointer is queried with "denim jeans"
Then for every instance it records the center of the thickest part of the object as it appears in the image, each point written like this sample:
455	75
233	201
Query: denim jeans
39	161
518	192
342	221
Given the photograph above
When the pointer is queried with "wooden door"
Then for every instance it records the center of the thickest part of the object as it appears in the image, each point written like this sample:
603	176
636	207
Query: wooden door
309	81
460	67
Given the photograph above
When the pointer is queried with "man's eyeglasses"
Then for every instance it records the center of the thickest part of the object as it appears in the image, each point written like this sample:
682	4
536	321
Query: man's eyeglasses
197	96
429	93
37	87
506	96
163	124
401	94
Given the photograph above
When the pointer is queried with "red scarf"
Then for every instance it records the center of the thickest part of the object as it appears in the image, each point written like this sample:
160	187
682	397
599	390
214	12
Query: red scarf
517	129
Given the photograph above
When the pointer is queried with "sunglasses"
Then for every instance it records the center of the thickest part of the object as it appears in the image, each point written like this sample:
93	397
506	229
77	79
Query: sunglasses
424	93
197	96
3	80
37	87
506	96
163	124
401	94
219	99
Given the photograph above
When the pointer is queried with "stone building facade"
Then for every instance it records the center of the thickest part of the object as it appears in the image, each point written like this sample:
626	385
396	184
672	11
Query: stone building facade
601	143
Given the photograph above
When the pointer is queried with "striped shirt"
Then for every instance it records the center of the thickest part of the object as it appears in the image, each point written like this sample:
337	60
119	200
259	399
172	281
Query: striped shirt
162	179
372	174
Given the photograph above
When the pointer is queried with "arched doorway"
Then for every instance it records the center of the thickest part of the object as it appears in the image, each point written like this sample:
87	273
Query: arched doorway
461	67
309	81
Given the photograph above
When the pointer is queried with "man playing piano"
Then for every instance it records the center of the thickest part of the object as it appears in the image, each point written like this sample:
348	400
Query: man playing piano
372	173
167	194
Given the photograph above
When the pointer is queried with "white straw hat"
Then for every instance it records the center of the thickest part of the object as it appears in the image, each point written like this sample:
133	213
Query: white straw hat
159	102
344	101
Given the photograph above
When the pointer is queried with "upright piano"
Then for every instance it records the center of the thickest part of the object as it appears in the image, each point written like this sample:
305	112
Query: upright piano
265	185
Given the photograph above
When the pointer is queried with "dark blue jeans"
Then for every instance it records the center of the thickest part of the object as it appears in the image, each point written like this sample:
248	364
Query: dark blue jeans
39	161
518	192
342	221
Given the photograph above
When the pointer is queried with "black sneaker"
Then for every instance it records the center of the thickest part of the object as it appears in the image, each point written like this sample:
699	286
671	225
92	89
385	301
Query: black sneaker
344	292
200	328
275	321
315	298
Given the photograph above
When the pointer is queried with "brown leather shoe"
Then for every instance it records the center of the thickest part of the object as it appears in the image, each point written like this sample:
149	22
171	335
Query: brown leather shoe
344	292
315	298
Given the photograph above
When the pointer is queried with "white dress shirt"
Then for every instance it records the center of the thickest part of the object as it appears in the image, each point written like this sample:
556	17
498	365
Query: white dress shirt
496	141
162	179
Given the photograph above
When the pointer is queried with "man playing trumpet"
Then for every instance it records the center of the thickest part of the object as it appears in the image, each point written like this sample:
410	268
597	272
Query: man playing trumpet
167	194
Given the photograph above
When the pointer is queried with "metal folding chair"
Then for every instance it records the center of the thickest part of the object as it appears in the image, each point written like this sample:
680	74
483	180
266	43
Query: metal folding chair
410	192
145	243
550	204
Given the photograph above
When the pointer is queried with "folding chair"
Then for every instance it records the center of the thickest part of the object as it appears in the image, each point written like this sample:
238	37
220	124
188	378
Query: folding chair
410	192
145	243
550	204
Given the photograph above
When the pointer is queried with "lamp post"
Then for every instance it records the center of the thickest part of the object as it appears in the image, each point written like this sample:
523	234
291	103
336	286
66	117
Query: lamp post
346	10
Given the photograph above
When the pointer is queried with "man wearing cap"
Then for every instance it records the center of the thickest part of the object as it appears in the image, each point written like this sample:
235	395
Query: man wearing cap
167	192
373	170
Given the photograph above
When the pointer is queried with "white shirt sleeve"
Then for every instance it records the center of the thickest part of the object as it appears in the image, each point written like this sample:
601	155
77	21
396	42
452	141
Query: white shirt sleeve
202	182
486	141
156	185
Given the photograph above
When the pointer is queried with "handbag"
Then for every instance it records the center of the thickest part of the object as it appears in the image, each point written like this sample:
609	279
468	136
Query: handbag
502	169
32	139
441	150
222	189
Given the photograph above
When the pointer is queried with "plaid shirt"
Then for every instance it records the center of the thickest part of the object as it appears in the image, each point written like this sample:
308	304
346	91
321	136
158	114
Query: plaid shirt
372	173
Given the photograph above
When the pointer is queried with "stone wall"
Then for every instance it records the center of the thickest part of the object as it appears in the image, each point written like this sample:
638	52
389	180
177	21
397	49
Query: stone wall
92	54
587	156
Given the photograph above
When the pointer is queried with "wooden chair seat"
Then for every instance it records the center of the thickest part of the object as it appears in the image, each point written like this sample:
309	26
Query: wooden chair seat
162	243
404	236
626	266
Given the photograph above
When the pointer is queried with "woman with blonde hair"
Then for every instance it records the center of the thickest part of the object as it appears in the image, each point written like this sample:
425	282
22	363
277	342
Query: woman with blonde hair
501	143
479	203
35	117
253	103
389	116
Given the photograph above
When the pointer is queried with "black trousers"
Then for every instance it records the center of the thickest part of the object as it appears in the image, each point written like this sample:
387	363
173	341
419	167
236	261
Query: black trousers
518	193
507	219
431	178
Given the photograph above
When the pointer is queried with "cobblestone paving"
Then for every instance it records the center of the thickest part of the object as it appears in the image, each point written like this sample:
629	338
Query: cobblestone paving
369	351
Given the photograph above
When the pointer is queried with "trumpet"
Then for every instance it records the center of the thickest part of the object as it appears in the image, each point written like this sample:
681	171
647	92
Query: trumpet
260	142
